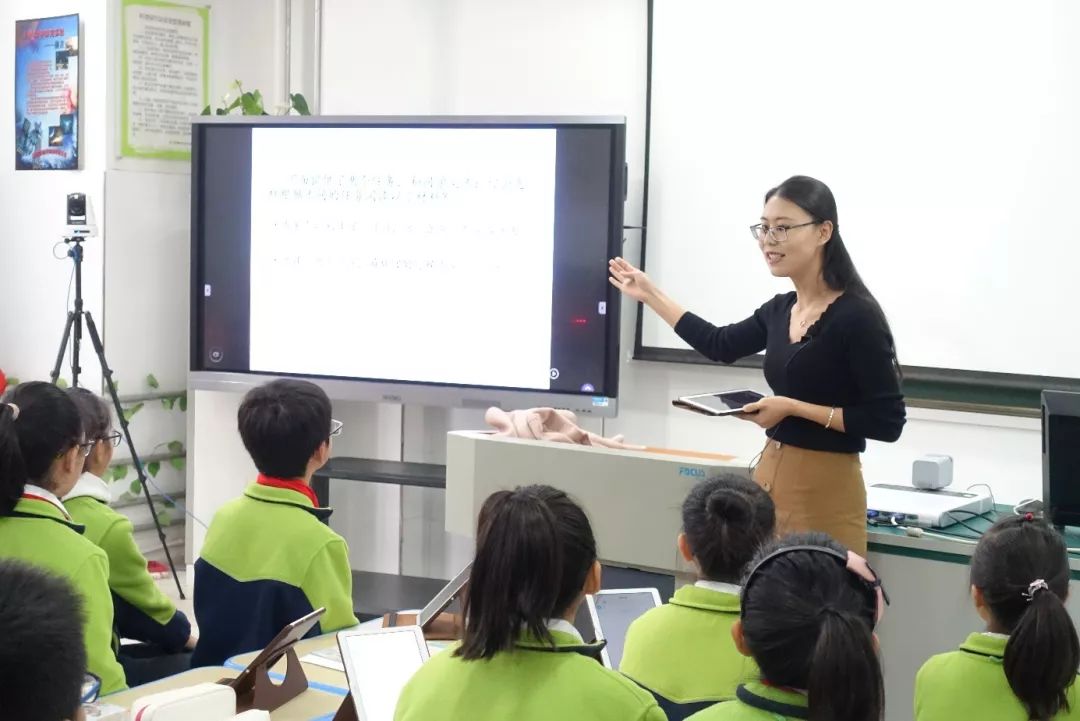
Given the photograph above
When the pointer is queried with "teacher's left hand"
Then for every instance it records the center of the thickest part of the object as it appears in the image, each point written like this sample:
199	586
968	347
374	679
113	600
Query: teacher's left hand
768	412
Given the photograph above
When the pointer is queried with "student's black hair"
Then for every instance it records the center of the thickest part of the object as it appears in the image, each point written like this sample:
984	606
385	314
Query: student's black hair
282	424
42	657
534	550
726	518
837	268
48	425
804	619
1043	653
94	412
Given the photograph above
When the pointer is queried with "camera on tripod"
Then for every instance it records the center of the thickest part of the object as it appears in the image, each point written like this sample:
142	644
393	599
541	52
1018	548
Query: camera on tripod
80	217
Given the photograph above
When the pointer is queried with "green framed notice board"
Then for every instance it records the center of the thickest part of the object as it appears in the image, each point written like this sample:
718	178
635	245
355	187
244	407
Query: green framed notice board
164	76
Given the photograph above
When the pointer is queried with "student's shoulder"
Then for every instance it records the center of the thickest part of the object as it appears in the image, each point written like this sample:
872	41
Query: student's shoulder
730	711
941	668
617	687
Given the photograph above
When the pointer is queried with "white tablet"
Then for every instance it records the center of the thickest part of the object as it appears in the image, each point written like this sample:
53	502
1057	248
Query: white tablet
613	611
378	663
443	598
724	403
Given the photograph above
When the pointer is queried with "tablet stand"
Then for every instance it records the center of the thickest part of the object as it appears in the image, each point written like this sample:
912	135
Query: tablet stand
444	627
347	710
256	690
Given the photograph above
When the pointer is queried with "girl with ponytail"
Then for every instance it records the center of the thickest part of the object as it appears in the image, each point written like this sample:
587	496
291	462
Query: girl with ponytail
829	357
42	449
1024	665
809	608
683	651
521	657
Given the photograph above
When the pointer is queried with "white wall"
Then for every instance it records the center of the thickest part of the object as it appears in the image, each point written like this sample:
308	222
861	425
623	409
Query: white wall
33	209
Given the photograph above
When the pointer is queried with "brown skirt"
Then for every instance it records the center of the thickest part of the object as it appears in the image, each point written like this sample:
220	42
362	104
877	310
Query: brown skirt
815	491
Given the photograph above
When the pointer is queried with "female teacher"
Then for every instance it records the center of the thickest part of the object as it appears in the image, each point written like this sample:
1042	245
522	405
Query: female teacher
829	358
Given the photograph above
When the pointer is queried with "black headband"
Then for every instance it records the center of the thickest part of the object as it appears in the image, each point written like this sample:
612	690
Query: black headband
874	593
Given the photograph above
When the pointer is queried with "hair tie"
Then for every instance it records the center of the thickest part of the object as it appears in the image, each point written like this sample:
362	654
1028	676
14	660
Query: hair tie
1034	587
14	411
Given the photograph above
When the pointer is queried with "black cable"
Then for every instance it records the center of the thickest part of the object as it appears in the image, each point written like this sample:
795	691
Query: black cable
963	523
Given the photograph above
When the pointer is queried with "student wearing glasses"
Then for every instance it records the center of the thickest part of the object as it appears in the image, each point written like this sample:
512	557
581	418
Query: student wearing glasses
42	449
829	359
269	558
143	613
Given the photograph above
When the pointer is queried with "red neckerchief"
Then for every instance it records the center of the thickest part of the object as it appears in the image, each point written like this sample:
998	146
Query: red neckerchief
292	485
33	497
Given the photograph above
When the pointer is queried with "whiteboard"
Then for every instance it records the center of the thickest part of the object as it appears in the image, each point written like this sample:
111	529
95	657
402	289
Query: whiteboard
947	131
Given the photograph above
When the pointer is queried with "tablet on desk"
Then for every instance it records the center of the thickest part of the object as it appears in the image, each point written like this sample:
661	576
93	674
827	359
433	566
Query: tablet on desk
724	403
612	612
378	663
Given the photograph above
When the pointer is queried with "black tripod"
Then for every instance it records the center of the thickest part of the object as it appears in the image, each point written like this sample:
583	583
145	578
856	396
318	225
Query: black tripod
74	323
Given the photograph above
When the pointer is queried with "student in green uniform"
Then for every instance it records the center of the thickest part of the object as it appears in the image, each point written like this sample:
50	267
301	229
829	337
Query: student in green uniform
142	612
42	659
269	558
41	457
683	651
809	608
521	657
1024	665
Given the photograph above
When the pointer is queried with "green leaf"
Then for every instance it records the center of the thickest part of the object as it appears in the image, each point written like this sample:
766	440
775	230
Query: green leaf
299	104
12	381
134	488
183	403
164	518
61	383
176	447
169	503
152	381
129	413
177	463
153	467
252	104
205	111
221	111
120	472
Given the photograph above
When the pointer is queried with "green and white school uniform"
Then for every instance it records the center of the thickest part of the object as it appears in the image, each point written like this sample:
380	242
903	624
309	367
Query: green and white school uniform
970	683
533	682
756	701
40	532
683	651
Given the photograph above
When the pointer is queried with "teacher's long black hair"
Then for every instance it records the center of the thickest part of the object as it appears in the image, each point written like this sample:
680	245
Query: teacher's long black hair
837	268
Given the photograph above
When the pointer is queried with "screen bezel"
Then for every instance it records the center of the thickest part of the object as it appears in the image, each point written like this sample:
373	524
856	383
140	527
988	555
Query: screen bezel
420	392
444	597
594	615
350	670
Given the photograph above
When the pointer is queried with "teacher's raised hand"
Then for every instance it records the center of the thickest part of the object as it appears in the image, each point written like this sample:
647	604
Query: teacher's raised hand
630	280
634	283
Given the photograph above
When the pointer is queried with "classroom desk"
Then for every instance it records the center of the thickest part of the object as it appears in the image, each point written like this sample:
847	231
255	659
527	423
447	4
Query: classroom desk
931	611
312	705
